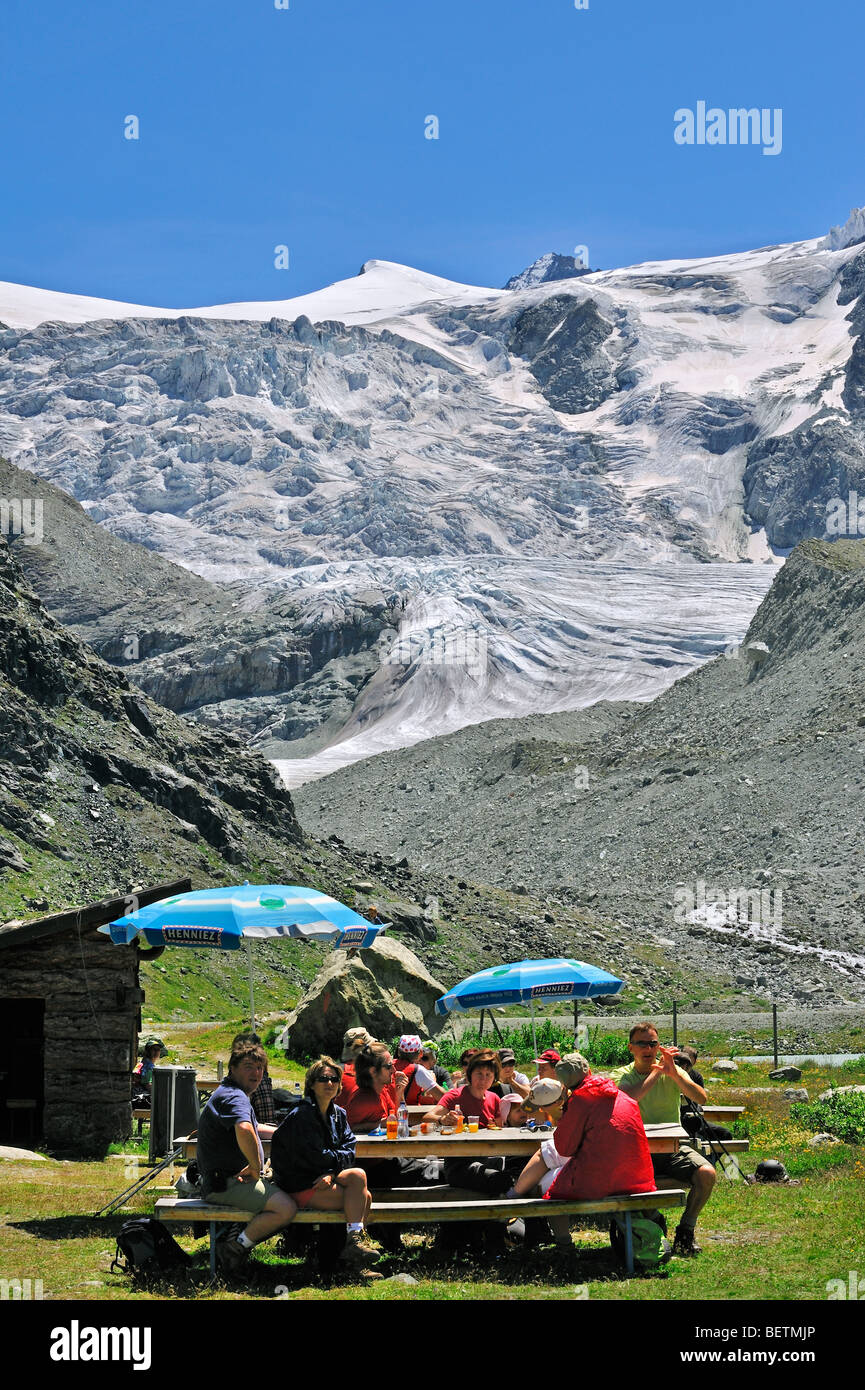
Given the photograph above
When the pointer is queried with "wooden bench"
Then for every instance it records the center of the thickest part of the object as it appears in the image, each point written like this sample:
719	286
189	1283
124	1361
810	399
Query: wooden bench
717	1146
719	1114
141	1116
408	1206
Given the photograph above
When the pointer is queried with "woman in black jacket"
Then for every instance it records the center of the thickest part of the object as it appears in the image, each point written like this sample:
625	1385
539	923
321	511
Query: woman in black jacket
312	1152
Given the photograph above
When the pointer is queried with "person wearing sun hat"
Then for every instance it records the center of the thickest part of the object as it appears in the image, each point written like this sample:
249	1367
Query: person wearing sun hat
422	1085
353	1042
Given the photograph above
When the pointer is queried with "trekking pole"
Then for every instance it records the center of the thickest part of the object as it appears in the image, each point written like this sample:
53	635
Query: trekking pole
691	1108
140	1183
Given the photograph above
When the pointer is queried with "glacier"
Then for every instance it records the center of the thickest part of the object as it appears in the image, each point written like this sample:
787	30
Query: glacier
574	490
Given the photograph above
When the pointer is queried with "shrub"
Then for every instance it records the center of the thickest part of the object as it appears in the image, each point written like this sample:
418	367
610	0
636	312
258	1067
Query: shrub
601	1050
606	1049
841	1114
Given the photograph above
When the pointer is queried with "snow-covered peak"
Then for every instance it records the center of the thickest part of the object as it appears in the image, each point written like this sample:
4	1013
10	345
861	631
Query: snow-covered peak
550	266
382	290
853	230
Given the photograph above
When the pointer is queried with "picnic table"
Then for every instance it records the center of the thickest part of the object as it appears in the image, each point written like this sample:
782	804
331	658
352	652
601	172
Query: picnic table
512	1143
718	1114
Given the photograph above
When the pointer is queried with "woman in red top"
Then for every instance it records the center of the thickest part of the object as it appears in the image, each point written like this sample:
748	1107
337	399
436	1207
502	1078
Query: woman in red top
379	1089
378	1093
475	1099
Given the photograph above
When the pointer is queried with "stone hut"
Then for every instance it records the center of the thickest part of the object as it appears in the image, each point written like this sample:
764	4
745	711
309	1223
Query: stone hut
70	1016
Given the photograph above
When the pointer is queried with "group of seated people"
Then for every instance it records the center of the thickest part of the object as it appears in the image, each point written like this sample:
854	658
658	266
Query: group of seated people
597	1148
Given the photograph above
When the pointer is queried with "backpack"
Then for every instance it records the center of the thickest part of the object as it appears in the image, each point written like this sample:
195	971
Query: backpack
144	1247
649	1229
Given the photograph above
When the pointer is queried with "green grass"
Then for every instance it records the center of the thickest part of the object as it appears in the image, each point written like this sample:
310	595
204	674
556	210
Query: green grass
760	1242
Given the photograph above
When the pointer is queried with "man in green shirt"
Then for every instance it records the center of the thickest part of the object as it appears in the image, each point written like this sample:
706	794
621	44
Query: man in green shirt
657	1085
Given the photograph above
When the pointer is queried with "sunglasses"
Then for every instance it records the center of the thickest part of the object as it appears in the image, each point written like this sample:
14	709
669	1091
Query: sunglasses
327	1080
385	1066
644	1042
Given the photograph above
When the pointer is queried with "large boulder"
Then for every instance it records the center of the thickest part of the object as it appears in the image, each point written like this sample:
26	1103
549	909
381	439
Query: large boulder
840	1090
385	989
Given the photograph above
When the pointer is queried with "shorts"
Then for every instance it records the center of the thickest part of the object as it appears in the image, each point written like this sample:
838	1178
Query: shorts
551	1156
302	1198
682	1165
246	1196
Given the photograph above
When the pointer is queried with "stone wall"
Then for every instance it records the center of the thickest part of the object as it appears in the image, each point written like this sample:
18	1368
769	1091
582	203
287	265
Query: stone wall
92	1017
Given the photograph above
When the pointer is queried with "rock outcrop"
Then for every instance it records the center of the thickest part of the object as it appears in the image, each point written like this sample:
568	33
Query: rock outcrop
385	989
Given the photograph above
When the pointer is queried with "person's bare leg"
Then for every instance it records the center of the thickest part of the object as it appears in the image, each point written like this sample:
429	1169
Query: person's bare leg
280	1210
357	1198
701	1191
529	1177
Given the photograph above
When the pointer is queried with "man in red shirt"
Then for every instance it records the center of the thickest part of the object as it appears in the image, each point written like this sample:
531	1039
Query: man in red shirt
598	1148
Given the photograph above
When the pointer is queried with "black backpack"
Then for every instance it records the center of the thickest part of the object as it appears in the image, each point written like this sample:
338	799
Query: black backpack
144	1247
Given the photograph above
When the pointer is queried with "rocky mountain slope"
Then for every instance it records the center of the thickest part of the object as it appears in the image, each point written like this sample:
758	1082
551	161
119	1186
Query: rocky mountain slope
550	266
746	776
218	653
101	790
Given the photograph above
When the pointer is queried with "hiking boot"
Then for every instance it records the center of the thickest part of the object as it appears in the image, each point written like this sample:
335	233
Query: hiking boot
358	1251
231	1257
684	1243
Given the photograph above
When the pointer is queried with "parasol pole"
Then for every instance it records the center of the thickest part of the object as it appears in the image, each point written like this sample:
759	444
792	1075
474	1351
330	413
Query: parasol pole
534	1036
251	986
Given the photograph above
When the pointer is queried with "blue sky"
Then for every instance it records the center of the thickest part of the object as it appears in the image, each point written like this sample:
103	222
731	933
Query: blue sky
305	127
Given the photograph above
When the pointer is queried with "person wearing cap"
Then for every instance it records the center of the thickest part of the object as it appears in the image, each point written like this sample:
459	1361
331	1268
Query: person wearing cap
544	1101
353	1042
511	1079
546	1064
599	1146
422	1087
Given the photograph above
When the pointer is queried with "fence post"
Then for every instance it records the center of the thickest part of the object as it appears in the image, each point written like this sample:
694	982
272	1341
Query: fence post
675	1024
775	1034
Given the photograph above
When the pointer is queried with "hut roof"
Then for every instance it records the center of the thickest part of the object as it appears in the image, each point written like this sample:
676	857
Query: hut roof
94	915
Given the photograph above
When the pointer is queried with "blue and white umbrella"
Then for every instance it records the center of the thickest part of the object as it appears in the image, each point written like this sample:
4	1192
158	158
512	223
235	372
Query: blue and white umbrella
526	981
223	918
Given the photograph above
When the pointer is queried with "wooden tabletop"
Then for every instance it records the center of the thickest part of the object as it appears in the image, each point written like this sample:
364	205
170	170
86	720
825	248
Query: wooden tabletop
722	1112
510	1142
